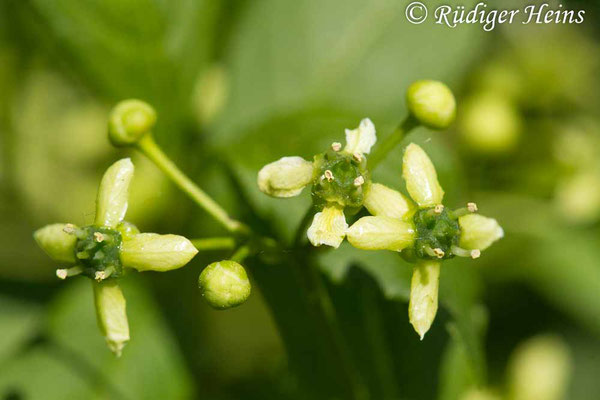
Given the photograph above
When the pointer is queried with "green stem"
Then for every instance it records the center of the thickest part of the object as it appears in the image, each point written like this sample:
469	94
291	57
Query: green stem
240	254
215	243
390	142
148	146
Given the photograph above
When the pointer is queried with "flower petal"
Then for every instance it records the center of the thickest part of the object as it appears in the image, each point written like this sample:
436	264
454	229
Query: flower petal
111	314
111	203
361	139
57	243
381	233
154	252
328	227
381	200
285	177
478	232
424	288
420	176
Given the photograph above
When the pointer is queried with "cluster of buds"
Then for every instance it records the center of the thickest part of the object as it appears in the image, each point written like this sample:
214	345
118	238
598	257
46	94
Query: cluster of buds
105	250
420	227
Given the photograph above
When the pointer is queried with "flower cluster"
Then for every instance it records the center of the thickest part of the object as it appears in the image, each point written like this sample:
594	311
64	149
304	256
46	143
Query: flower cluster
105	250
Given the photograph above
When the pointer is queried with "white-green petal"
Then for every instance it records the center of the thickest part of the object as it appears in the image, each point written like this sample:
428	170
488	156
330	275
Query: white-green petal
285	177
381	233
111	203
421	178
154	252
57	243
423	302
478	232
361	139
111	314
381	200
328	227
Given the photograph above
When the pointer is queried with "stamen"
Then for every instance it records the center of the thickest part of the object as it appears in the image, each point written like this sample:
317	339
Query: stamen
101	275
459	251
472	207
438	209
336	146
98	237
329	176
359	181
69	228
64	273
357	156
437	252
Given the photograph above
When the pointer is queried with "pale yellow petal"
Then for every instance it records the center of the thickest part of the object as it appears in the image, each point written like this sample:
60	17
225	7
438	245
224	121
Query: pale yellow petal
381	200
111	314
361	139
111	203
328	227
478	232
424	288
421	178
154	252
285	177
381	233
56	242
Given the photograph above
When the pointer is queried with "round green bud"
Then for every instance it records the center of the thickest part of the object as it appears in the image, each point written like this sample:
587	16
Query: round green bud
431	103
129	121
224	284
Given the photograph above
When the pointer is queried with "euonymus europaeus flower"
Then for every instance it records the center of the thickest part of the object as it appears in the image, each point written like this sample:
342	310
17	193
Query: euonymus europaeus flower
105	250
339	178
423	230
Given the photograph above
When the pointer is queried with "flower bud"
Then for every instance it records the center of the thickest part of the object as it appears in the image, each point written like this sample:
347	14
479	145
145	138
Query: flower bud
431	103
478	232
285	177
111	201
111	314
490	124
421	178
539	370
383	201
129	121
381	233
578	197
424	288
57	242
224	284
153	252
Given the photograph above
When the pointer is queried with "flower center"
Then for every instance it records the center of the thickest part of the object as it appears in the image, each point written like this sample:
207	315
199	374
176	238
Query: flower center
340	178
437	232
97	251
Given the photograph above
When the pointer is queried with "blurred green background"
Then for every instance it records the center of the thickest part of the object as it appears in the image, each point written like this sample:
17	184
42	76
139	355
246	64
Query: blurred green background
238	84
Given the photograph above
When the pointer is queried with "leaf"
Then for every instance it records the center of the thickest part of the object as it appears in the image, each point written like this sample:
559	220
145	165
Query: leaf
151	366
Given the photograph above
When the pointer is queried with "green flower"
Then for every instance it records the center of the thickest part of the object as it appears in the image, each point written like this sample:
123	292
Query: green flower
106	249
340	182
422	229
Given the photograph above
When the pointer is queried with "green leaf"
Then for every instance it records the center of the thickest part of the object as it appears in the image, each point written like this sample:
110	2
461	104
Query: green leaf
151	366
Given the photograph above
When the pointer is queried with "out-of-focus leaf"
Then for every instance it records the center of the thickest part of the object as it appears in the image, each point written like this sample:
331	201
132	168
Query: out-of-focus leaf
151	366
19	322
40	375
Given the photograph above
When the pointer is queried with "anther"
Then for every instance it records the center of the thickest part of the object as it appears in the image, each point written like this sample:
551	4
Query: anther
439	253
475	253
98	237
69	228
472	207
438	209
102	275
357	156
359	181
64	273
336	146
459	251
329	176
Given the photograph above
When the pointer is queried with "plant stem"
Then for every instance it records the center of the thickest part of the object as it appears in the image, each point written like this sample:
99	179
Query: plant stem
241	254
215	243
148	146
388	144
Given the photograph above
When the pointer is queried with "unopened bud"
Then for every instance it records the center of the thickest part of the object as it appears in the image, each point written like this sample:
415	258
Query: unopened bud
431	103
129	121
224	284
